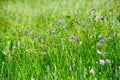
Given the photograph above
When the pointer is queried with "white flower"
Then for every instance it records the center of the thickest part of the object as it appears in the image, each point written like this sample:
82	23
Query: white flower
32	78
92	71
99	52
5	53
80	42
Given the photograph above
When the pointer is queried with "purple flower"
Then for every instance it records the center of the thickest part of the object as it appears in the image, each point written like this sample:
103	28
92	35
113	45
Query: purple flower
61	21
101	18
53	31
93	9
94	16
76	22
107	60
43	53
102	41
85	25
102	62
73	37
98	44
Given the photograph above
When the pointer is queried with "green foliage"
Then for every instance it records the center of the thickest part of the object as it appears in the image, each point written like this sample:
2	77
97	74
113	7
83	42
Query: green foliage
59	40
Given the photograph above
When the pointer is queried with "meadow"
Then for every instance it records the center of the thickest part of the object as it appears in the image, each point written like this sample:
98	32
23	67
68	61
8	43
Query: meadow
59	40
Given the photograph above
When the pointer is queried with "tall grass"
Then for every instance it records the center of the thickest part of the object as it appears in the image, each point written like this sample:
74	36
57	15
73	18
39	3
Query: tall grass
59	40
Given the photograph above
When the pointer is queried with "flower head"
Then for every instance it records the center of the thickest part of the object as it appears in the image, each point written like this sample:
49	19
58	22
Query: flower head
102	62
108	61
85	25
98	44
43	53
101	18
93	9
92	71
61	20
73	38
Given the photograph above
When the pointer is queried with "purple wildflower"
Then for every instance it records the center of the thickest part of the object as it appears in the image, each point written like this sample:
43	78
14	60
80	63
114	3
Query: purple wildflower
53	31
101	18
76	22
102	41
108	61
85	25
102	62
43	53
94	16
93	9
61	21
98	44
73	37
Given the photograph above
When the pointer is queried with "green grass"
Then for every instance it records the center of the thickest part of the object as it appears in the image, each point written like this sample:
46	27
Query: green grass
26	31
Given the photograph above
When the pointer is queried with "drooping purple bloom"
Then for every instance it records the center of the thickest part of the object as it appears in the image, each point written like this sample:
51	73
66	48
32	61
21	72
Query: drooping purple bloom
92	71
43	53
53	31
93	9
108	61
76	22
102	62
73	38
98	44
101	18
61	20
94	16
102	41
85	25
